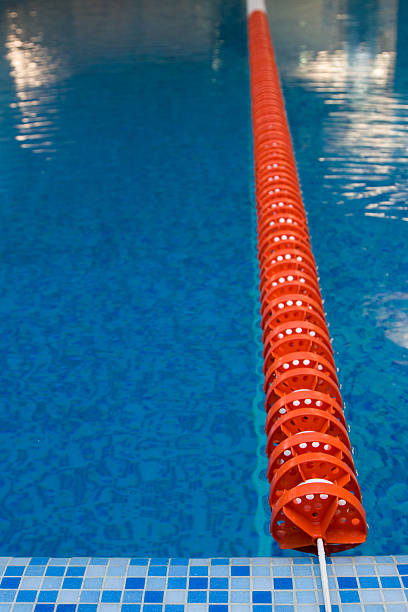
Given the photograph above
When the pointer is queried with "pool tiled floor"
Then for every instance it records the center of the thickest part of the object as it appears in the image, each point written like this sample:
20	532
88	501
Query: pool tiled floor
78	584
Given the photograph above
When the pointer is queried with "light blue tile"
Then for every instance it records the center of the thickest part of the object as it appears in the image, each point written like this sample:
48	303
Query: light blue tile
92	583
51	582
261	561
240	561
281	561
58	561
240	608
23	607
90	596
305	597
396	607
304	583
156	583
365	570
351	607
240	597
79	561
199	561
401	558
374	608
344	570
239	583
363	560
137	571
116	570
99	561
332	583
119	561
175	596
114	582
262	584
17	560
384	559
283	571
219	570
95	570
302	570
177	570
70	596
393	595
386	570
370	595
196	608
30	583
261	570
108	607
283	597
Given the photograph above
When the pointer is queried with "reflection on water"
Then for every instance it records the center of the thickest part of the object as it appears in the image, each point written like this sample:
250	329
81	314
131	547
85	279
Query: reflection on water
44	52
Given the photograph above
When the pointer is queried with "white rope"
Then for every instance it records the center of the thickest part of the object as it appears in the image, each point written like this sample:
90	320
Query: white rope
255	5
323	574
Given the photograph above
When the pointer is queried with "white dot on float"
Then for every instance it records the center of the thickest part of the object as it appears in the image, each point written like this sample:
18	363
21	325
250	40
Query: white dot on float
287	256
312	333
276	177
290	278
276	239
273	205
287	453
281	305
327	447
268	167
298	500
295	362
303	445
296	403
272	223
323	496
298	330
274	284
279	258
308	401
275	165
281	220
270	179
289	303
310	496
299	303
284	237
292	238
302	280
299	258
286	366
277	189
288	331
281	280
280	336
306	362
342	502
315	444
320	367
282	410
319	403
274	261
289	221
281	461
281	204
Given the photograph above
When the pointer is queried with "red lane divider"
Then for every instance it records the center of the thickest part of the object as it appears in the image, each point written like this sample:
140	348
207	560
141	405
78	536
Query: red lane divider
314	492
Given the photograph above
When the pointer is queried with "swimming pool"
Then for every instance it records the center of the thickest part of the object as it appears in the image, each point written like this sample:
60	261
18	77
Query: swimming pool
133	417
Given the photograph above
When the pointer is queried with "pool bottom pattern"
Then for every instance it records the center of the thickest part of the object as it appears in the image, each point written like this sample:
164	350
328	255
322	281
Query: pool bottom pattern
77	584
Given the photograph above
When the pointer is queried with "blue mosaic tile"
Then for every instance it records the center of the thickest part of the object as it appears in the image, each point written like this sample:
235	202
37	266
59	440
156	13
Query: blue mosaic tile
390	582
261	597
157	570
197	597
218	583
219	561
240	570
198	583
282	583
347	583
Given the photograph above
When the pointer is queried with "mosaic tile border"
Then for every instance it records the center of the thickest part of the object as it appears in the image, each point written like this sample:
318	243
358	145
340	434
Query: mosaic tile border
42	584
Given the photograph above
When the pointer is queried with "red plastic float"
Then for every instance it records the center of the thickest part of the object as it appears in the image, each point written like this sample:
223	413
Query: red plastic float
313	487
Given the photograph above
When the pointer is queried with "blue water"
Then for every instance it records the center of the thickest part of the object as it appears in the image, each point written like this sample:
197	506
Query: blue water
128	280
344	71
131	418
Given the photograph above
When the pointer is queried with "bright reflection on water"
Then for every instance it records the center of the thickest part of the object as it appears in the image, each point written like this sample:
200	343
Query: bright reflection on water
344	71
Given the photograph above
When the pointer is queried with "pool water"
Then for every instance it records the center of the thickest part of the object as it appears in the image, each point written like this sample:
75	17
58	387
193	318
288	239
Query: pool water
131	418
